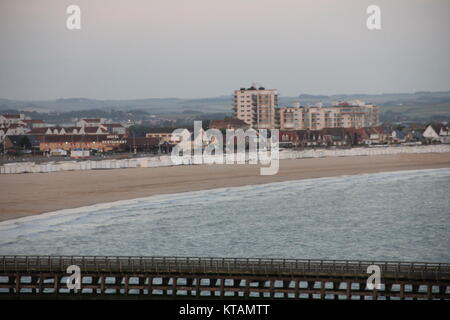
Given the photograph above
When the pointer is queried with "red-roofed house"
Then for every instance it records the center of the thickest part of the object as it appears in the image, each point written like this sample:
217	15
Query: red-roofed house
357	135
39	131
34	123
437	132
74	130
13	129
232	123
94	130
7	119
102	142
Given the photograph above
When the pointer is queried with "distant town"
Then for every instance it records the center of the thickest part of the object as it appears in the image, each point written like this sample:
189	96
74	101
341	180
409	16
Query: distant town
341	124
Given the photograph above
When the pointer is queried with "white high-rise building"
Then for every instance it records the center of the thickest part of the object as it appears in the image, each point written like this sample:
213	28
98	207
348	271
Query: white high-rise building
256	106
338	116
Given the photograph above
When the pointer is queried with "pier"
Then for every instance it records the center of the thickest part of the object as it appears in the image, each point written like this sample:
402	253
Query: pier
45	277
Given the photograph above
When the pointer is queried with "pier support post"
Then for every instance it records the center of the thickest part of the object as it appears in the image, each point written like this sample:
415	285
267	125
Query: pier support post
442	290
118	284
272	287
334	287
126	279
11	283
41	281
322	289
349	290
311	287
174	286
190	284
212	285
247	288
222	287
362	290
388	290
415	290
102	285
17	283
55	284
34	283
141	284
165	283
429	291
197	286
150	286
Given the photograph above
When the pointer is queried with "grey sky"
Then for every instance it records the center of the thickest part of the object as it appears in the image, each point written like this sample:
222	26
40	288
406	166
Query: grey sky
199	48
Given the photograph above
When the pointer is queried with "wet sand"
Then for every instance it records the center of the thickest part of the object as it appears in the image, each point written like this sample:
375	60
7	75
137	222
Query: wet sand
33	193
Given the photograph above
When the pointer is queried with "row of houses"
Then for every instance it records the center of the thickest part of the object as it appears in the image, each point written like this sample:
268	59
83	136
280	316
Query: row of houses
18	124
330	137
111	128
384	134
437	132
62	144
100	136
53	140
19	134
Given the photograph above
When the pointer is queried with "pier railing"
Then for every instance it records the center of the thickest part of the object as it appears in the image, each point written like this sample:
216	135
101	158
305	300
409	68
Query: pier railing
197	265
38	277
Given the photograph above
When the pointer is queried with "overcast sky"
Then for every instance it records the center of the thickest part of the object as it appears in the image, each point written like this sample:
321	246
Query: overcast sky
202	48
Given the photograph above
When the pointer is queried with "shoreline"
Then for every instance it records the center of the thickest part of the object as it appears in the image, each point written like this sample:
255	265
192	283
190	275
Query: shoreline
165	196
36	193
166	160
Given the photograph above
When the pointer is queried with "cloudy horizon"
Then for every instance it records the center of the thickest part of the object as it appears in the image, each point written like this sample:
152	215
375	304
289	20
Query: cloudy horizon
205	48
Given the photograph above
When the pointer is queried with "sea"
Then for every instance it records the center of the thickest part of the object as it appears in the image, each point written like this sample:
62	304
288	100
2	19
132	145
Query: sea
392	216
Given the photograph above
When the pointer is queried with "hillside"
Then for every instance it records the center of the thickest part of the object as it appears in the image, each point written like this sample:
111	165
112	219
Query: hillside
419	106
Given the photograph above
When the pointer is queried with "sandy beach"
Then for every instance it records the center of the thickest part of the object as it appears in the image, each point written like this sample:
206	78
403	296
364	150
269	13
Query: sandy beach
33	193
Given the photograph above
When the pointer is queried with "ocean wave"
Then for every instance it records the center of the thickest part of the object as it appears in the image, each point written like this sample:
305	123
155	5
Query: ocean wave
288	219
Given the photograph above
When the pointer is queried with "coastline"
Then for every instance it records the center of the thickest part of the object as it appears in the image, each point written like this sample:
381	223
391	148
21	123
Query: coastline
166	160
28	194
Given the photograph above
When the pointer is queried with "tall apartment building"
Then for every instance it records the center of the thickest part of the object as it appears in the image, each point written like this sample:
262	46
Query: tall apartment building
317	118
256	106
